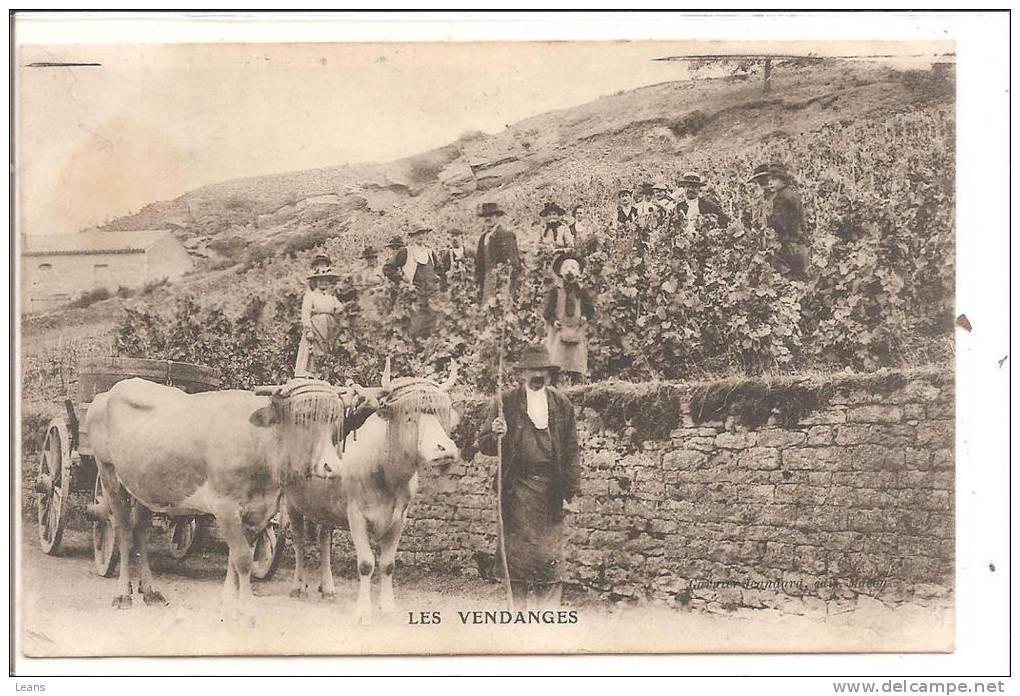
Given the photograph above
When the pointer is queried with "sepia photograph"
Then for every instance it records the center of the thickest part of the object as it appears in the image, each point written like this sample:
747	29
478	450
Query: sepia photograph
485	348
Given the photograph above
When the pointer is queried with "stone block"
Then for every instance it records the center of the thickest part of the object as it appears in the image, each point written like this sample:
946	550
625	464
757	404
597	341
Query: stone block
820	435
742	440
781	438
759	458
833	416
875	413
936	433
683	459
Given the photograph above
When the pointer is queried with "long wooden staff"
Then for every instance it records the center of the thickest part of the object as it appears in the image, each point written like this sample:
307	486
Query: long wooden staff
499	462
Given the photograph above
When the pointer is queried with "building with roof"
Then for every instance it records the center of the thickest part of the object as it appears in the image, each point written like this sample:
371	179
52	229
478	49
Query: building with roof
58	268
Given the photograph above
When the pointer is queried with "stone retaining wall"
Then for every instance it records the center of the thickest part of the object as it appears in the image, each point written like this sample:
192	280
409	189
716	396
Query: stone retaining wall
730	494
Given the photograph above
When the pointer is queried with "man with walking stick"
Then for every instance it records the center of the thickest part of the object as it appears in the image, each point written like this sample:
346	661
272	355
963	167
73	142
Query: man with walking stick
534	430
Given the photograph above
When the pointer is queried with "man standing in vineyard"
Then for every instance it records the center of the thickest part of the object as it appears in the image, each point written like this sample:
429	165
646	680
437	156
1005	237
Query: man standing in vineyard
694	205
450	261
366	277
415	264
540	473
784	214
496	247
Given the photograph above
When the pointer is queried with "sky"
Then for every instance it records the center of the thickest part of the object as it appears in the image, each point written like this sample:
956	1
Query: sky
154	121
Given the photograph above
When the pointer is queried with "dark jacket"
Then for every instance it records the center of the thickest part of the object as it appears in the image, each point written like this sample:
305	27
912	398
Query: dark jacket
562	433
495	247
785	215
424	279
574	293
706	206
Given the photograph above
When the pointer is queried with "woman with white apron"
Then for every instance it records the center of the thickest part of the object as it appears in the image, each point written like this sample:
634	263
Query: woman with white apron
568	309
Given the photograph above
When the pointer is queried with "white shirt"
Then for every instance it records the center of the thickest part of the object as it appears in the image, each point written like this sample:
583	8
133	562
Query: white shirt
415	255
538	407
693	210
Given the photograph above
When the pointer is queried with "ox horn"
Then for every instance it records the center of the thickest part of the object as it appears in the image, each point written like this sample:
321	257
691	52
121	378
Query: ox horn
446	386
268	389
386	373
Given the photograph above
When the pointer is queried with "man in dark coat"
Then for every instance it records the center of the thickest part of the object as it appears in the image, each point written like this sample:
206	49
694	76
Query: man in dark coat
497	246
450	262
693	205
784	214
541	472
415	264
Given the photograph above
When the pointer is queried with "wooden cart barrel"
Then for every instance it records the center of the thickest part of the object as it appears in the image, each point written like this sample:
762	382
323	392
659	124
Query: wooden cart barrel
97	375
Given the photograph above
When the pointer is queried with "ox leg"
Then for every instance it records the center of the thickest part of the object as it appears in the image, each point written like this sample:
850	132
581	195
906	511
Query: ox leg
326	586
142	524
120	511
366	564
297	534
239	562
387	558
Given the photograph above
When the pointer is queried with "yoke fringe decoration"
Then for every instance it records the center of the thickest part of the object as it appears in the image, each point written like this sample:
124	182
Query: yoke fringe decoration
410	397
307	403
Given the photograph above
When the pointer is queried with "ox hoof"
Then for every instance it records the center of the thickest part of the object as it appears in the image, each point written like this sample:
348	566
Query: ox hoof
154	598
328	596
298	593
122	602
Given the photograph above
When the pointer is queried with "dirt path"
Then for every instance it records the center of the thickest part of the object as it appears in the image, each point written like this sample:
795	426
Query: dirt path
65	610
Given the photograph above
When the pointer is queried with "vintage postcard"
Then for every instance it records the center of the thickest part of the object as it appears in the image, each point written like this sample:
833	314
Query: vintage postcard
485	348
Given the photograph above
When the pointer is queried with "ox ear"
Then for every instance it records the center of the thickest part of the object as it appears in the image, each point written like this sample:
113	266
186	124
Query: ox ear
267	416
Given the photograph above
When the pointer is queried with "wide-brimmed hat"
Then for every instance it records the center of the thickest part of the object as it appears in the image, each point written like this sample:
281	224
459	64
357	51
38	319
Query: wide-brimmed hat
320	260
370	252
551	209
489	209
691	179
324	272
563	257
770	169
395	242
535	357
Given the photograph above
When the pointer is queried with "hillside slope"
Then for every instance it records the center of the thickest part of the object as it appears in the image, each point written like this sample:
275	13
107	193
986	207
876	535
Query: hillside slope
657	123
253	235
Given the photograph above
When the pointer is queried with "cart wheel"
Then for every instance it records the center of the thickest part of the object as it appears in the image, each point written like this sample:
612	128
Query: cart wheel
53	486
104	536
268	551
181	534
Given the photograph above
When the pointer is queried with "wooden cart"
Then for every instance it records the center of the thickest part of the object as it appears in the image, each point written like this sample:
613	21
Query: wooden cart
67	466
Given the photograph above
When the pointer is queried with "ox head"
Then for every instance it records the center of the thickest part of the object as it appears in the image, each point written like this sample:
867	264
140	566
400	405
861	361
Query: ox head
420	416
308	414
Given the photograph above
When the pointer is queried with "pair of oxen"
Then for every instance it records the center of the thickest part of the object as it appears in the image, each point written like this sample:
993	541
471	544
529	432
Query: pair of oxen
333	457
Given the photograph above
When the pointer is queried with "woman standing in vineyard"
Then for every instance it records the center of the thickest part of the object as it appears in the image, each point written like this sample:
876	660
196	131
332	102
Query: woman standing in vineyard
568	308
319	310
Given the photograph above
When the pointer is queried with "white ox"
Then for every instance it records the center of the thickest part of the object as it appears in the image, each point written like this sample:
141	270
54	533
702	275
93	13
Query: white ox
377	480
223	453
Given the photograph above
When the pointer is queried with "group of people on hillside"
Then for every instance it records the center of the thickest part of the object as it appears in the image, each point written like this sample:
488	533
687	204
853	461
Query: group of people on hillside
496	258
533	425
